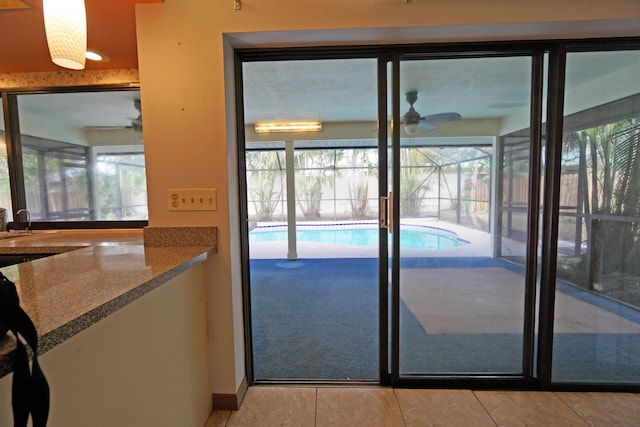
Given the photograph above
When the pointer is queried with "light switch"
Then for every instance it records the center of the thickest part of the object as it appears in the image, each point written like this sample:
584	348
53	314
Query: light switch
192	199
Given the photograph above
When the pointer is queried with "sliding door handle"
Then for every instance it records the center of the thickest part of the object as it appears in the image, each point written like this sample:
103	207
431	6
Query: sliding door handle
390	204
386	212
383	212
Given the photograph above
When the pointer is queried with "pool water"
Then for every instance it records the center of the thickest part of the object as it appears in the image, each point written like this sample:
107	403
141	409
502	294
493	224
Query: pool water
418	237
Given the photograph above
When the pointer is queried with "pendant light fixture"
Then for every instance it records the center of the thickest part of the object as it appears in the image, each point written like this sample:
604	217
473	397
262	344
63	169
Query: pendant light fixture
65	24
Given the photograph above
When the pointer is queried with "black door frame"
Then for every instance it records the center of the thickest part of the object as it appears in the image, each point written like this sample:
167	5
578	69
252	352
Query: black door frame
250	55
527	379
538	349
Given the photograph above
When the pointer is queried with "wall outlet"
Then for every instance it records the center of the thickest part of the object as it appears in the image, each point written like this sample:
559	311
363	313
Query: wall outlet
192	199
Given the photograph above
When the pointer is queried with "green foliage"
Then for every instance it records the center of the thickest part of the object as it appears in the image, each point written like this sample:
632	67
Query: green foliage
612	152
314	168
413	182
106	182
622	239
361	167
266	189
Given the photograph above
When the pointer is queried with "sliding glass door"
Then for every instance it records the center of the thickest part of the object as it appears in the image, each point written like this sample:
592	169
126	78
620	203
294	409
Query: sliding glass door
462	291
311	168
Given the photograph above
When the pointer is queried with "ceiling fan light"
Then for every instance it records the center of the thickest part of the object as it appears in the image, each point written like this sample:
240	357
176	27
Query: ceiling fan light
411	128
65	25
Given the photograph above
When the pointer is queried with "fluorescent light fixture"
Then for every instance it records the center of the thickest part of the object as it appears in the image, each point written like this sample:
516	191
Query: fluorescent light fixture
288	127
65	24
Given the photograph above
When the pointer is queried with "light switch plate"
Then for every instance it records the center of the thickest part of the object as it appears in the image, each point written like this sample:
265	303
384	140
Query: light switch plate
192	199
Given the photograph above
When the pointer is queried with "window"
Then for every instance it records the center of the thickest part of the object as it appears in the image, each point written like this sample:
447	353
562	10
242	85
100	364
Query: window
79	156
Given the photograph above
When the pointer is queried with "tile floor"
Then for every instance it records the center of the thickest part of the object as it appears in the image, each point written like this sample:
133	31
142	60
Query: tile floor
267	406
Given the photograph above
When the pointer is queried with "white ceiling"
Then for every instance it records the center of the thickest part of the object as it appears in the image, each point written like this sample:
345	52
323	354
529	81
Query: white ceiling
78	110
346	90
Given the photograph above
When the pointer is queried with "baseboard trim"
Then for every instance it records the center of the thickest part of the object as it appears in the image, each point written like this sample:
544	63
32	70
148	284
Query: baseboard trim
231	402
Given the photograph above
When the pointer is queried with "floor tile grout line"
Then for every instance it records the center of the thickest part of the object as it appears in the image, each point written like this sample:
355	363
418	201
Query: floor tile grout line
395	396
226	421
315	409
570	408
484	407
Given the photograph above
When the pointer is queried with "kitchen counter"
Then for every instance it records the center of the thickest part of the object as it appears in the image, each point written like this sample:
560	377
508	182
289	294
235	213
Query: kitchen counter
93	274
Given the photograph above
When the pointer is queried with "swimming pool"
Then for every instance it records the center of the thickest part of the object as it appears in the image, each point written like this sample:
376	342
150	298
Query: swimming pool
359	234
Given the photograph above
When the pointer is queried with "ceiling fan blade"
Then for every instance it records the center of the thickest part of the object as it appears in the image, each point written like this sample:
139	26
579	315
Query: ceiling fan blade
443	117
426	126
106	127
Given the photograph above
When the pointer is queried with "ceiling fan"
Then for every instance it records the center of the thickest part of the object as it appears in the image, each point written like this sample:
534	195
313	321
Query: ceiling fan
135	122
412	120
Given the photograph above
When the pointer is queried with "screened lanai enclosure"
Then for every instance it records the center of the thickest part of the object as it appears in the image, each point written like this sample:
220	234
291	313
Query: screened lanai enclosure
79	154
600	197
340	184
492	236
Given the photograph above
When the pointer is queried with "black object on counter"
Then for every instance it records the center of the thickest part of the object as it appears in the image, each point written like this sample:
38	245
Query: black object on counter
30	390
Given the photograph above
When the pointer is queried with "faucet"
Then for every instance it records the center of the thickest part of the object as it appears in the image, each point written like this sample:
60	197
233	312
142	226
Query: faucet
28	229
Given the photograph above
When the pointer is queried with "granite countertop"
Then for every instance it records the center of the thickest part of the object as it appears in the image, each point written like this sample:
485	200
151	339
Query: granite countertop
93	274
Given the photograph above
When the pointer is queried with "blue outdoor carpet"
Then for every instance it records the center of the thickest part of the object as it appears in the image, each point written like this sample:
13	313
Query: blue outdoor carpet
317	319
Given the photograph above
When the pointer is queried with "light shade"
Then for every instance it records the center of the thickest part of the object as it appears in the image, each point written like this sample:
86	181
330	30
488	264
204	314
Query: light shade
411	128
288	127
65	24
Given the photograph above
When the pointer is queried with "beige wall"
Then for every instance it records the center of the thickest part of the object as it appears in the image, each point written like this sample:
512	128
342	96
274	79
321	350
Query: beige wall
145	365
185	60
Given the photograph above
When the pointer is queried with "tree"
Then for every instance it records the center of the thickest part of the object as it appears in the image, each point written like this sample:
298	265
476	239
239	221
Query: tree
413	187
621	238
361	167
266	186
313	168
613	182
